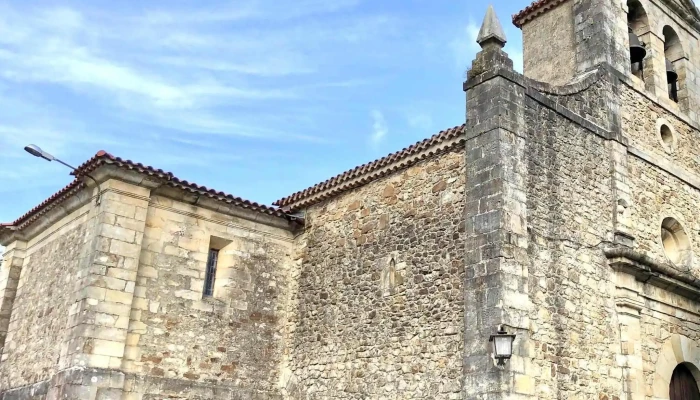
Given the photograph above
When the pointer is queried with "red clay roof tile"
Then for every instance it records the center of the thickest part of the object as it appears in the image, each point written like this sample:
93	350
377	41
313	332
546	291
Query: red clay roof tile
366	170
539	7
102	157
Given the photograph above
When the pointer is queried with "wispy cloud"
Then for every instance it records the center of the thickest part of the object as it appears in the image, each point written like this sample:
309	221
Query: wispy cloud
264	95
379	128
464	45
181	61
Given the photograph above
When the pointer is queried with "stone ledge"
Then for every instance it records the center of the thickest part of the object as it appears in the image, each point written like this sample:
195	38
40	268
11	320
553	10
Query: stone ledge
75	383
685	176
647	270
537	91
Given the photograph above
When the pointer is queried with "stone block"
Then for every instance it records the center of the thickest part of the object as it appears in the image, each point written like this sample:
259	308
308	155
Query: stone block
105	319
188	294
148	272
117	296
139	303
132	353
112	308
140	291
107	333
96	361
93	292
118	233
122	322
141	213
121	273
125	249
108	394
132	339
120	209
133	224
108	283
108	348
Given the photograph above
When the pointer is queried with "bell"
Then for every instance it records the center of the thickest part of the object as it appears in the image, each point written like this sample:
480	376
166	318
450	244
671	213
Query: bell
637	51
671	74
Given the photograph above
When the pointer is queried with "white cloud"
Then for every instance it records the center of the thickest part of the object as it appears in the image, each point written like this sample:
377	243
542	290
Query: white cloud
379	128
472	33
464	45
245	10
182	68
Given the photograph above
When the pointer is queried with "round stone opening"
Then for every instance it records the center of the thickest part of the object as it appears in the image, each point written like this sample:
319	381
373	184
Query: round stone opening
667	136
675	241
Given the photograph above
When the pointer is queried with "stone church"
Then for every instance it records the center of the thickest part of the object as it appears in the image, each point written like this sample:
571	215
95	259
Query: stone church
563	212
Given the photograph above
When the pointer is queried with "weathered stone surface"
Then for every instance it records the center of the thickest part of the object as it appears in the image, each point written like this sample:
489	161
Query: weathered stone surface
229	337
40	312
380	289
544	217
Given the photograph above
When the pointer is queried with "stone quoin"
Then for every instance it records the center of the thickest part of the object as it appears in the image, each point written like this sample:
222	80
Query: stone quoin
564	210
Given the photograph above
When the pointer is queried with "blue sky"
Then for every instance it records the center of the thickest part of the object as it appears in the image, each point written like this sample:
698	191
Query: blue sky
258	98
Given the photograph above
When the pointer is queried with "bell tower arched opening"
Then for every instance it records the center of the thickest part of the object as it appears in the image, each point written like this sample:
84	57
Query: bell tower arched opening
638	25
683	385
675	71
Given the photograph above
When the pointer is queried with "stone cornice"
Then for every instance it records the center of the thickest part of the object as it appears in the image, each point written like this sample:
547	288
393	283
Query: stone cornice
538	92
685	176
659	274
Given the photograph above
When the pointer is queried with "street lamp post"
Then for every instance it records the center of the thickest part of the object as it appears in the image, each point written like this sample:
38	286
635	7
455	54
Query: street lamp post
36	151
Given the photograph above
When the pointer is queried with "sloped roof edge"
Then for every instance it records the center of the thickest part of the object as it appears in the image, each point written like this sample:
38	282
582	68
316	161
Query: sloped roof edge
104	158
293	201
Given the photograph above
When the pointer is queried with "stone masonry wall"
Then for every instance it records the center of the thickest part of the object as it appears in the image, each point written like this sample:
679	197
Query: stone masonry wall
552	63
183	345
657	195
379	308
40	317
569	207
641	119
665	315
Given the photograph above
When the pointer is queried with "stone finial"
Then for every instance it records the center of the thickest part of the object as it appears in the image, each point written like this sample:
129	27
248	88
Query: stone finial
491	30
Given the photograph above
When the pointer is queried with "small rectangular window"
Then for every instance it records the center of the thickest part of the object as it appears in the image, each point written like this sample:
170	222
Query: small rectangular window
211	273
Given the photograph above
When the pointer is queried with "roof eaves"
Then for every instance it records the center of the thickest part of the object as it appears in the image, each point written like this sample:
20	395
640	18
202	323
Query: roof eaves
102	157
336	184
535	9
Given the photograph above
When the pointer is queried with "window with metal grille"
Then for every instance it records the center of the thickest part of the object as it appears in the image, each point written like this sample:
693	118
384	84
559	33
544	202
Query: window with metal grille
211	273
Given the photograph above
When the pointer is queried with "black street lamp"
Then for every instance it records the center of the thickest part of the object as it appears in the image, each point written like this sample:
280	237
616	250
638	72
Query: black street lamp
502	345
36	151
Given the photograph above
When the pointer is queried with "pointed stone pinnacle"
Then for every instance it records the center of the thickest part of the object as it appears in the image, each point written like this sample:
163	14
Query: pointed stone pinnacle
491	30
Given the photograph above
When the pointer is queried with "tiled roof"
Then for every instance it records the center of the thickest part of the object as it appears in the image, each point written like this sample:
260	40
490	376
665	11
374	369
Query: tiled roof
539	7
46	205
369	172
104	158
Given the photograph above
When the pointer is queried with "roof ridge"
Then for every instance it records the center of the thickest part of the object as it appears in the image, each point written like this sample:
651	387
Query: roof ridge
371	166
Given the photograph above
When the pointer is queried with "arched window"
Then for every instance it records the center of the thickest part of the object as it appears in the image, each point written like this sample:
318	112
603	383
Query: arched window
673	52
638	24
683	385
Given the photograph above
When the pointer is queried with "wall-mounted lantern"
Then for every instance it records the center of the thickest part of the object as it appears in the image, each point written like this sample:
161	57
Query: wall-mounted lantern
502	345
